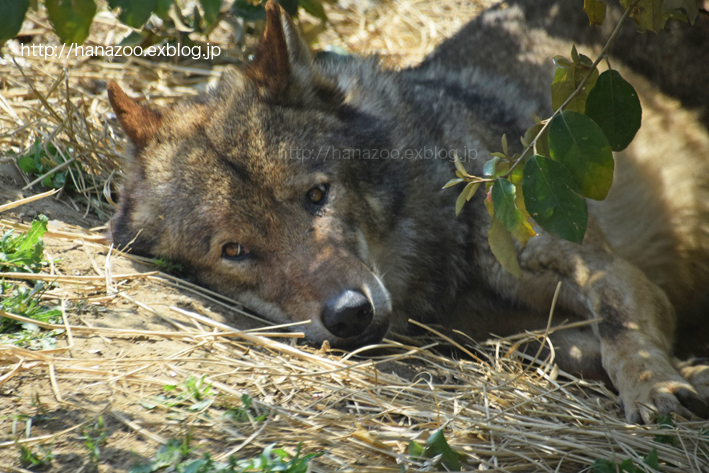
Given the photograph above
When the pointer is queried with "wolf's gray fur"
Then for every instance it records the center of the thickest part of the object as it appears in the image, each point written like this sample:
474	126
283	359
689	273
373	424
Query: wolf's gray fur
312	191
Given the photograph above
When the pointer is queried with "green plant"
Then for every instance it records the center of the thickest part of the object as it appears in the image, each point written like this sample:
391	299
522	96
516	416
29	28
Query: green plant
72	20
627	466
94	436
25	301
24	253
436	446
567	158
30	458
246	412
173	457
167	266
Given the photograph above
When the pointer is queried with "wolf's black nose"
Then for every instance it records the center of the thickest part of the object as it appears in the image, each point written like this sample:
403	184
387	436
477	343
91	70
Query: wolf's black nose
347	314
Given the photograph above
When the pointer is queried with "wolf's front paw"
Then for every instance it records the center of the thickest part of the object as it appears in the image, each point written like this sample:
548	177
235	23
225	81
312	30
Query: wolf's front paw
653	395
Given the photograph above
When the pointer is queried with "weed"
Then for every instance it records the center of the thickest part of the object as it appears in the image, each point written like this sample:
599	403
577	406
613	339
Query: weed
174	457
42	458
438	450
167	266
24	253
43	160
243	414
94	436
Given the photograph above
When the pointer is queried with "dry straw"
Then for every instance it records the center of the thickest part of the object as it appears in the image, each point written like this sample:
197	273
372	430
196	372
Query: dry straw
507	412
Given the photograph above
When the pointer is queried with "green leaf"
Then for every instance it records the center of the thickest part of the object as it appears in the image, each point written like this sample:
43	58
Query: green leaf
12	13
470	190
36	231
672	7
542	145
504	200
462	199
551	196
647	14
458	165
244	9
503	247
437	445
28	164
71	19
490	166
211	10
615	107
629	467
415	449
596	11
290	6
603	466
651	459
132	39
580	145
453	182
567	80
134	13
162	8
314	8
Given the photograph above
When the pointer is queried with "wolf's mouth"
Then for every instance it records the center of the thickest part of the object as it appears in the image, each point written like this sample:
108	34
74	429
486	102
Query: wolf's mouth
374	334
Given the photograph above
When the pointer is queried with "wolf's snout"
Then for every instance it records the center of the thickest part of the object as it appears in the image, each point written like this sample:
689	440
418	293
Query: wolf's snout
348	314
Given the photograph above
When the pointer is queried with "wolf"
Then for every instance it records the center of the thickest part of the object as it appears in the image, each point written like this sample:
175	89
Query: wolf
312	191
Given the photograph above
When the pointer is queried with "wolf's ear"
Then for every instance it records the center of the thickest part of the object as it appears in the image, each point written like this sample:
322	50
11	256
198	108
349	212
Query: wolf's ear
139	122
283	66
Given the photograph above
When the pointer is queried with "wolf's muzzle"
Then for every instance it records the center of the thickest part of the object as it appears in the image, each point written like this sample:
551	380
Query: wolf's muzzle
347	314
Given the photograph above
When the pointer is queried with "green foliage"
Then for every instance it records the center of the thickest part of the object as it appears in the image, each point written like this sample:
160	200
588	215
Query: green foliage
577	143
24	253
573	150
195	394
13	11
666	423
552	199
175	457
627	466
596	11
41	160
614	105
25	301
246	412
251	10
71	19
653	14
134	13
437	445
166	265
94	436
29	458
568	77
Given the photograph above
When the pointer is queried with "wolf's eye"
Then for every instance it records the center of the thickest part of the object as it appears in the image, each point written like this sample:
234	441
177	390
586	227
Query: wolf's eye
233	251
317	194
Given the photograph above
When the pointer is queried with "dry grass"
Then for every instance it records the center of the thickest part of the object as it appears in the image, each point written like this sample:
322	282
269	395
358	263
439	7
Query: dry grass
504	414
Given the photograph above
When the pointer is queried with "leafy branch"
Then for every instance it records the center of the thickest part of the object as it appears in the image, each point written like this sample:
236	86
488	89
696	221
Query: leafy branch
569	156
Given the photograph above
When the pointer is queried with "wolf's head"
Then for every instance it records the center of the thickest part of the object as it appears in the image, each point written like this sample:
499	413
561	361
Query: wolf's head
235	184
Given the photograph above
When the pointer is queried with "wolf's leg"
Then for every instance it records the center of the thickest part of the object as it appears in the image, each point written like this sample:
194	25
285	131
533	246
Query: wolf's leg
638	320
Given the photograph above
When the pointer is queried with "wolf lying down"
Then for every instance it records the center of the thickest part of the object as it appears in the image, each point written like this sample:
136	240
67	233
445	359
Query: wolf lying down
261	187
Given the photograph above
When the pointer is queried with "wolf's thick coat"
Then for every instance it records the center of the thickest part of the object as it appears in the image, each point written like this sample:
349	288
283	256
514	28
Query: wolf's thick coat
312	191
